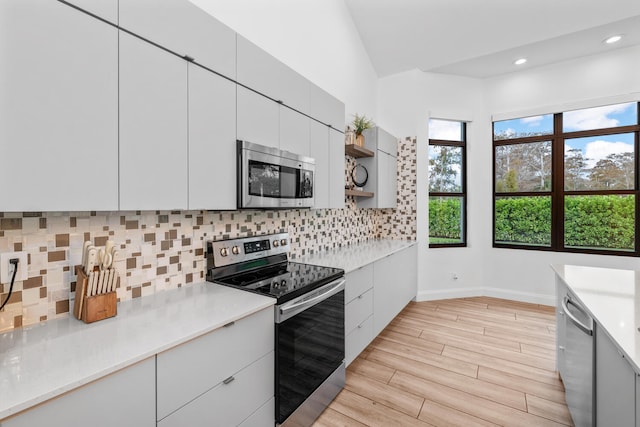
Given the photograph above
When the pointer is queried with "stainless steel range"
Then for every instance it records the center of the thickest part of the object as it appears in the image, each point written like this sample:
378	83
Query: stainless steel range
309	319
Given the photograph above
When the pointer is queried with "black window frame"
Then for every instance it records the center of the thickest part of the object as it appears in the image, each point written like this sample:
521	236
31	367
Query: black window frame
463	184
558	192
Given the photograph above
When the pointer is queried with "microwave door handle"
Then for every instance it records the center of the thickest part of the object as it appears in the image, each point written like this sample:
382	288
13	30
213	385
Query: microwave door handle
286	312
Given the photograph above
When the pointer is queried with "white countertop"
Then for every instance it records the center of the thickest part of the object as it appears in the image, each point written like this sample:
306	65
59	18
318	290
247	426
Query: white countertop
40	362
612	298
352	257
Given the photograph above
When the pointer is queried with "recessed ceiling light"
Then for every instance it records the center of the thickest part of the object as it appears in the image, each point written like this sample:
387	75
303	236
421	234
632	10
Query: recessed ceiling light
520	61
613	39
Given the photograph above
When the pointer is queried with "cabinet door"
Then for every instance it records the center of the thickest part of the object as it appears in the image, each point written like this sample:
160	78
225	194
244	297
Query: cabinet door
182	27
105	9
153	127
384	179
294	131
319	150
124	398
326	108
615	384
212	140
258	118
392	183
58	109
336	169
561	327
395	284
262	72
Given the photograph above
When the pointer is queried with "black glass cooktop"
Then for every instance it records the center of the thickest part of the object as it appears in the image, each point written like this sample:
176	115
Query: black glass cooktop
283	281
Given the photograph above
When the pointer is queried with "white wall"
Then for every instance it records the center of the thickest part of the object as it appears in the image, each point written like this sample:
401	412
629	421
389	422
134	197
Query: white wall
317	39
407	100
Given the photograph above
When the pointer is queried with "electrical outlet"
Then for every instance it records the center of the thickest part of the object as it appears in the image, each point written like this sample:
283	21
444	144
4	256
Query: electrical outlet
6	269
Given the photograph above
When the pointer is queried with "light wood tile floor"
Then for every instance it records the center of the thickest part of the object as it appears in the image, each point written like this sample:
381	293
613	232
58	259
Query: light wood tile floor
462	362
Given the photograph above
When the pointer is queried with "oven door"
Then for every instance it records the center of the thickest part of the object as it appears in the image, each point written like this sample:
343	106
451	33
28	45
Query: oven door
270	178
309	349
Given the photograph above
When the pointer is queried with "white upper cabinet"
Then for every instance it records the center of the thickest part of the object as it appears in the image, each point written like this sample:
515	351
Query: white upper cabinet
336	169
294	131
182	27
212	140
265	74
326	108
105	9
258	118
153	127
58	108
382	169
319	150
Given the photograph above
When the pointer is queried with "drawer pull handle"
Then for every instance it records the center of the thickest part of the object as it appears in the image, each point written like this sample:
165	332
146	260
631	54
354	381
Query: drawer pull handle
360	296
229	324
360	326
561	348
228	380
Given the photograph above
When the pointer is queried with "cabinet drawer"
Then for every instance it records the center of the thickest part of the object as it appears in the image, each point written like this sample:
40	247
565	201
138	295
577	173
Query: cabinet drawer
263	416
358	310
187	371
231	403
358	339
358	282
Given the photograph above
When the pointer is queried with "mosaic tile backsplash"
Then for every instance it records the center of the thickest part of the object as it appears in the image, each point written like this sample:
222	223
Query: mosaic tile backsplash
165	250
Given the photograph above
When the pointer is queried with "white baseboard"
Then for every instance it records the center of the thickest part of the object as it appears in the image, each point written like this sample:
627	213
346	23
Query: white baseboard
429	295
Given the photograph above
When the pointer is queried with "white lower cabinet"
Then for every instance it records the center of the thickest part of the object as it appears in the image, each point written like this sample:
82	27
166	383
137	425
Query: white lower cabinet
230	402
358	339
191	371
263	417
615	384
124	398
395	284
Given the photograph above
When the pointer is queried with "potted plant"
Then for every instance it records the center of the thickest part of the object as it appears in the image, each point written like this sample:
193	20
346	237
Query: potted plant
360	124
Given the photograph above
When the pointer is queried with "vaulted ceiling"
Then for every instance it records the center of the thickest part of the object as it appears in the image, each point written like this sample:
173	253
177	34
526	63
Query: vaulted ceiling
480	39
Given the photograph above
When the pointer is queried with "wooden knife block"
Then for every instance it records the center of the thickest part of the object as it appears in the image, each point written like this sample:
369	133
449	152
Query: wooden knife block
94	308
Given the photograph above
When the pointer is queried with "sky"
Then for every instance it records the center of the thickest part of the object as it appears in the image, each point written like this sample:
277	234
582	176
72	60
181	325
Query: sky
594	148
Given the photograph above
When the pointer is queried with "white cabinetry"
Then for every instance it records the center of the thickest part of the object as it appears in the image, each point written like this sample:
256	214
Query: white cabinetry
615	384
183	28
382	169
394	285
58	109
358	314
326	108
153	127
212	140
374	295
326	146
561	328
265	74
294	131
336	169
124	398
105	9
220	378
258	118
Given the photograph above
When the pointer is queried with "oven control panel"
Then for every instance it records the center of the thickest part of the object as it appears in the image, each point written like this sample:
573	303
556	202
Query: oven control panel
227	252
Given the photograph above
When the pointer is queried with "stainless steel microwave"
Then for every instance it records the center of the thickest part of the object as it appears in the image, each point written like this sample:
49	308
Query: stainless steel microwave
272	178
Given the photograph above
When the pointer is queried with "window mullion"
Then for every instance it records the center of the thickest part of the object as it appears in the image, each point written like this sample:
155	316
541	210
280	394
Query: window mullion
557	189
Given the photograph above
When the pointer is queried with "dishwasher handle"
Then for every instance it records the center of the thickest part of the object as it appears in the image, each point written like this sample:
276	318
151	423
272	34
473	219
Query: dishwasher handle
565	307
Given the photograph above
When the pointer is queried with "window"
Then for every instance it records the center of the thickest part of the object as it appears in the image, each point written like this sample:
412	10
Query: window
447	184
568	181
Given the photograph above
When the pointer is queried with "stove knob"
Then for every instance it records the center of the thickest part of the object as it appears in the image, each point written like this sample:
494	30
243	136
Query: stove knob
275	284
283	283
224	251
283	242
276	243
235	250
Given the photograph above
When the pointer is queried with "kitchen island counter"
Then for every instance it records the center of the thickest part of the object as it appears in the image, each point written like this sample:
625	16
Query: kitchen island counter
612	298
40	362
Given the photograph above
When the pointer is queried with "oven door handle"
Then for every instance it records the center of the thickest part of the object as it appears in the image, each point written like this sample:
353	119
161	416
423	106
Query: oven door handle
289	310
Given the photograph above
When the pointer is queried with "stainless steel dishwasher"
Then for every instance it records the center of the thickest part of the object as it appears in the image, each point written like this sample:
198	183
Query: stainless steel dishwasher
579	365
